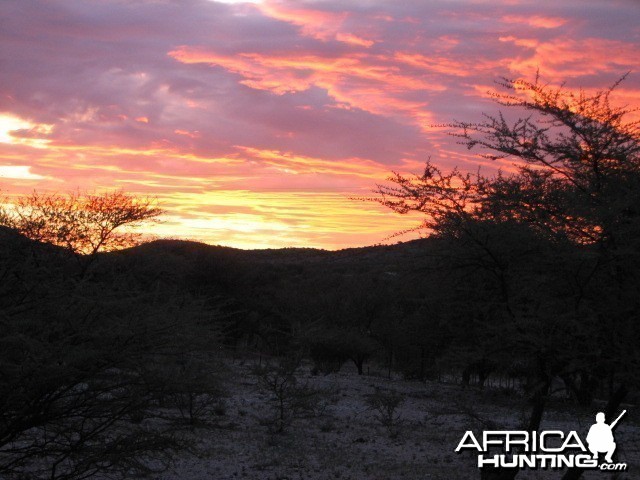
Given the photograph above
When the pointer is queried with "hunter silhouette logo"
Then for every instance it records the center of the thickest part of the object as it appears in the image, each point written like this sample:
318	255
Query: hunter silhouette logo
545	449
600	437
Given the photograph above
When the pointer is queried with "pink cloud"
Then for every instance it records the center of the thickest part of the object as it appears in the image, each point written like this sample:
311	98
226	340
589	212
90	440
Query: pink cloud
537	21
245	119
354	40
319	24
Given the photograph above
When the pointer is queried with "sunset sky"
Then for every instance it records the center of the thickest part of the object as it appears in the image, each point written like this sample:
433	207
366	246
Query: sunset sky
255	123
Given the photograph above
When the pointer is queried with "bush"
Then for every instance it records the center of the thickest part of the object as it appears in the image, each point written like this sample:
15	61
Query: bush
288	398
385	406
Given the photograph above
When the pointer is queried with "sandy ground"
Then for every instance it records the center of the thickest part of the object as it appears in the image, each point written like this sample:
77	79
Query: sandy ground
345	440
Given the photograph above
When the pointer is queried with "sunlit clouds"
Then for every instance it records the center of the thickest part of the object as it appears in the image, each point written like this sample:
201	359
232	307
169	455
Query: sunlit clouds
18	172
256	123
14	130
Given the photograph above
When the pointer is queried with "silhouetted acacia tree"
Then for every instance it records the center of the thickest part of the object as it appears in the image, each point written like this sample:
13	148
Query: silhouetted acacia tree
288	397
81	223
545	260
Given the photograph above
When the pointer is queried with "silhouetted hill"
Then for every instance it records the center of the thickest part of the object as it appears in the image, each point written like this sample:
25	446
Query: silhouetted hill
188	261
14	248
263	292
379	255
232	271
9	238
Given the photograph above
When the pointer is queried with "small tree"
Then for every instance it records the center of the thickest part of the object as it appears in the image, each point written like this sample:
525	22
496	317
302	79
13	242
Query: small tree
81	223
192	385
385	405
289	398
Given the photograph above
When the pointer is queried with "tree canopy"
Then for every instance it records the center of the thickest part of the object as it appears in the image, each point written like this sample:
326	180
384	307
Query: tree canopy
81	223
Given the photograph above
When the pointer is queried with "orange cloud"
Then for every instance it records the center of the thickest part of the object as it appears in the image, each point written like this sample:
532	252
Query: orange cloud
253	198
300	164
566	57
250	219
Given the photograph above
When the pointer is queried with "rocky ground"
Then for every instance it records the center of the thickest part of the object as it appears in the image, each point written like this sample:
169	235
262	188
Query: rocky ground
345	437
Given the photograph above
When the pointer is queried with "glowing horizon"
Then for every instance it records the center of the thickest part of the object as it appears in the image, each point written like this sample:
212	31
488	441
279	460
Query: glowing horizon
255	123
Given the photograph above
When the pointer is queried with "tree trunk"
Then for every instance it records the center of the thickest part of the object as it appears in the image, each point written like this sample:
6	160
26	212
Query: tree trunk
482	377
466	376
539	402
359	361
